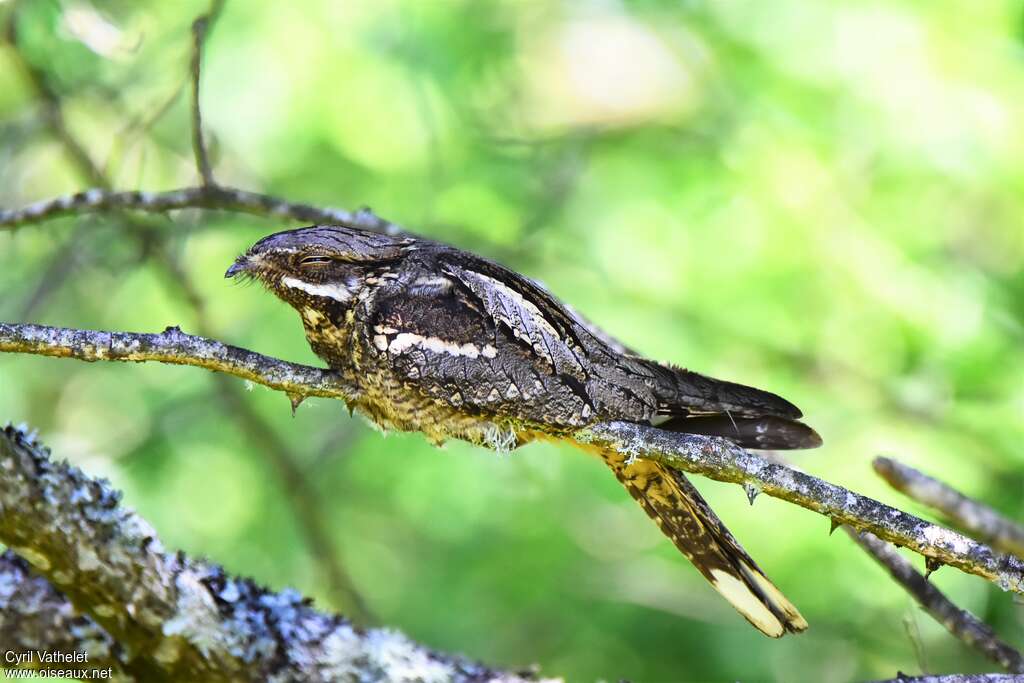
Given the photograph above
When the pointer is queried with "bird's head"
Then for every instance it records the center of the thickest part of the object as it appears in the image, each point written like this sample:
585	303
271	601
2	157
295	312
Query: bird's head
322	266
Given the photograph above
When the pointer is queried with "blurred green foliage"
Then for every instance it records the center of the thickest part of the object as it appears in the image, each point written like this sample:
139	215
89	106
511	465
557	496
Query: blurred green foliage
822	199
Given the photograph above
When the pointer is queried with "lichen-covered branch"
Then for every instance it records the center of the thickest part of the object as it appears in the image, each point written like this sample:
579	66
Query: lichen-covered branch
175	347
213	197
960	623
722	460
974	517
712	457
115	595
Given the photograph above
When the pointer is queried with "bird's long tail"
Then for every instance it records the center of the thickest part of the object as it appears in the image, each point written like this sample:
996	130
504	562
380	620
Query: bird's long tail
682	514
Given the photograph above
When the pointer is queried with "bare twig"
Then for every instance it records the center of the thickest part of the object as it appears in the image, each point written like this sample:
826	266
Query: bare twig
200	29
974	517
214	197
961	623
722	460
175	347
154	615
101	198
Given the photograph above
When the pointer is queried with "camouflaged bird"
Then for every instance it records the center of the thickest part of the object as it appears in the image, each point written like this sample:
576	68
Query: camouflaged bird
447	343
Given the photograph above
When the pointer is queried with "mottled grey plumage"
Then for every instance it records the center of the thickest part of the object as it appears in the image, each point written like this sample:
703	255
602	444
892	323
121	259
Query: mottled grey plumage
444	342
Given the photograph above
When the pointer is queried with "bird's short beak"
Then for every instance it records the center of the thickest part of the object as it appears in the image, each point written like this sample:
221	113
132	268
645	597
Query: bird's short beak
240	265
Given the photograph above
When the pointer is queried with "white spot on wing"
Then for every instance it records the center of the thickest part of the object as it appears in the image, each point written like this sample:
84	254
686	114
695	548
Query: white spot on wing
406	340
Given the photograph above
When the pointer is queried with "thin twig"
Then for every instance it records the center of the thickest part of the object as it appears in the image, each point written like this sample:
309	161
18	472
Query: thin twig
722	460
961	623
215	197
200	29
159	616
974	517
175	347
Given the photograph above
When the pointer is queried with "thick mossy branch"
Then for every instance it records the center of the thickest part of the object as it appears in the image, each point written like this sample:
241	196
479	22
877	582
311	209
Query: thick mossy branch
114	594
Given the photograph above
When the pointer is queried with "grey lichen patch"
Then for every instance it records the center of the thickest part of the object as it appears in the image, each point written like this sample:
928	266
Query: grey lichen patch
196	619
399	659
980	520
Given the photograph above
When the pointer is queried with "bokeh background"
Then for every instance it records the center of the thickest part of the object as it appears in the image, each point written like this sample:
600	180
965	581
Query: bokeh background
821	199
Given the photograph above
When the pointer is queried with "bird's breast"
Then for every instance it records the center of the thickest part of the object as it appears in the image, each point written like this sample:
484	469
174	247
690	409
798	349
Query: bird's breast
329	338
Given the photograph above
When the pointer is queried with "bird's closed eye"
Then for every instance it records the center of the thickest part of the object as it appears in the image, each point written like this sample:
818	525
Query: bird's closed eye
315	260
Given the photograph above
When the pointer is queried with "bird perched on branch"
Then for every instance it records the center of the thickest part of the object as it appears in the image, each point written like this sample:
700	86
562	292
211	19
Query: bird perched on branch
447	343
